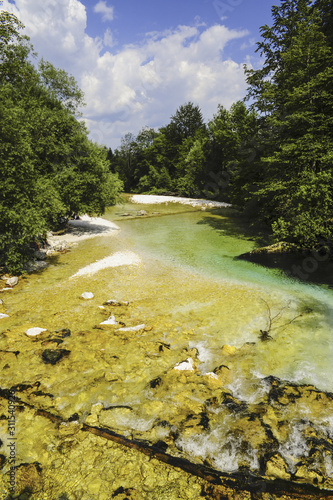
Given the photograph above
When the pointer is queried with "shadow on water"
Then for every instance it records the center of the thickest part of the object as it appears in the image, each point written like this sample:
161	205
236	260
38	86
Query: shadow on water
305	267
228	221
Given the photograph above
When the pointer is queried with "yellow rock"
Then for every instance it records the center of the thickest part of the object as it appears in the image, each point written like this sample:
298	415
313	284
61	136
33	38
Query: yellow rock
303	472
112	377
212	380
69	428
276	467
228	350
95	486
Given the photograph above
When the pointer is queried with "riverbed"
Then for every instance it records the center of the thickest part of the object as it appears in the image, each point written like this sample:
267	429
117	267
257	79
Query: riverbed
183	360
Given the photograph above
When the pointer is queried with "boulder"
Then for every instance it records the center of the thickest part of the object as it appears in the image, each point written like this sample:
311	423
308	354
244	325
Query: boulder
40	254
12	281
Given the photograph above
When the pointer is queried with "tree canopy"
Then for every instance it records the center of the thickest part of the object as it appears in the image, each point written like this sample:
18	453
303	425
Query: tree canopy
49	167
293	92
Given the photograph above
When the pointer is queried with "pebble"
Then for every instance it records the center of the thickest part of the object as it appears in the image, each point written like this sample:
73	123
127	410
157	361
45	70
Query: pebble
87	295
33	332
113	302
131	328
3	316
110	321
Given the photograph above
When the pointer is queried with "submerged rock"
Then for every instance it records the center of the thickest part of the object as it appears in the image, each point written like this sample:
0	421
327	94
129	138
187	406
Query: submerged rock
281	247
63	333
52	356
276	467
187	365
111	321
228	350
131	328
113	302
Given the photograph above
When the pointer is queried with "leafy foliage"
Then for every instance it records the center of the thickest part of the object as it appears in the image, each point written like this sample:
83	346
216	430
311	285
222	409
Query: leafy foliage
49	167
289	184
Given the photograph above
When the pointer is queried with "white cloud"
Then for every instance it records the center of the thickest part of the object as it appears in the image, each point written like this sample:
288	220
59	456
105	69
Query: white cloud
137	85
102	8
108	40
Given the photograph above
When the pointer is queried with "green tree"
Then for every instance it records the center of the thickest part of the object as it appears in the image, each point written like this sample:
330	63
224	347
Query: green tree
294	95
187	121
49	167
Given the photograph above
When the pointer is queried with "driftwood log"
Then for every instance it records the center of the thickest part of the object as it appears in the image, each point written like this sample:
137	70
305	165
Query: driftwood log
237	481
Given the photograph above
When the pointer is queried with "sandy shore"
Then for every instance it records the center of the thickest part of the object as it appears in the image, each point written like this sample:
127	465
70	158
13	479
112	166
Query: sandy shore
84	228
148	199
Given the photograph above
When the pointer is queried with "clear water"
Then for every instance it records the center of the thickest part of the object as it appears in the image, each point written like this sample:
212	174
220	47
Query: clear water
192	294
206	244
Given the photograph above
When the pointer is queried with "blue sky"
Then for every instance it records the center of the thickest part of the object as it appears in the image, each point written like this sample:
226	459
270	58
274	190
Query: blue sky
138	61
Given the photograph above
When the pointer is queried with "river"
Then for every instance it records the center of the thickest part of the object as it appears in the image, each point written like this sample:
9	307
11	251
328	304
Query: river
200	306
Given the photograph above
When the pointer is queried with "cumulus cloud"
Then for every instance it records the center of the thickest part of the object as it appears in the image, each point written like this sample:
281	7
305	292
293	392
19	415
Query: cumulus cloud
137	85
102	8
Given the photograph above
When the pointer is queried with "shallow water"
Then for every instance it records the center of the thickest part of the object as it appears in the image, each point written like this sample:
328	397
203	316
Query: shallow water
194	297
206	243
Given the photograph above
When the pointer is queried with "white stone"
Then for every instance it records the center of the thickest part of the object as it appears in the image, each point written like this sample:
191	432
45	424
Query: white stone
110	321
33	332
113	302
187	365
12	281
3	316
131	328
211	375
87	295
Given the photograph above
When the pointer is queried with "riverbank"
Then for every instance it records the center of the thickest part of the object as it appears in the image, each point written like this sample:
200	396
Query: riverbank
194	202
81	229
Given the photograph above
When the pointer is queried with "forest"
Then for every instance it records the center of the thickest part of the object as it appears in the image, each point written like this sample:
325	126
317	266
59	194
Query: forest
270	155
49	167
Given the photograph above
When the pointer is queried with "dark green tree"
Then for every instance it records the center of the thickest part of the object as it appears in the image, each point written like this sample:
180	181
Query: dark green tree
49	167
293	94
187	121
